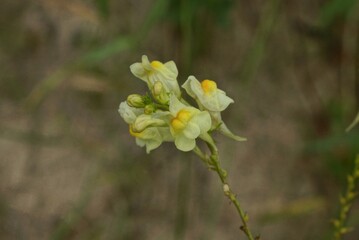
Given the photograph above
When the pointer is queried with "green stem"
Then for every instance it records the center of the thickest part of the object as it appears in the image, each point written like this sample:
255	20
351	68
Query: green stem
161	106
346	203
214	164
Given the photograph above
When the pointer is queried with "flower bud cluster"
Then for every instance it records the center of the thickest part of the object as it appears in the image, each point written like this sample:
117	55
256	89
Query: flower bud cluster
164	116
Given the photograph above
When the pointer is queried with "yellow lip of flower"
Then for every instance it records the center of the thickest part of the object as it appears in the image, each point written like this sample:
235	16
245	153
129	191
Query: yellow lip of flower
133	133
184	115
177	124
156	64
208	86
180	121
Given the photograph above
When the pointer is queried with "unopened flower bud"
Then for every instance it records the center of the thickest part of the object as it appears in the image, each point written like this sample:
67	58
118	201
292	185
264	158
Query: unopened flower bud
135	100
144	121
159	93
149	109
157	88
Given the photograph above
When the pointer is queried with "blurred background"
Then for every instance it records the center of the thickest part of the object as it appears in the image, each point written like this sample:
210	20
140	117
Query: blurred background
70	170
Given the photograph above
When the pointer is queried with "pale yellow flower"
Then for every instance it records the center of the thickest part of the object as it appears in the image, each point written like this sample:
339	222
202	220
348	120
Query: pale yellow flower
149	130
154	71
151	137
187	123
207	95
212	99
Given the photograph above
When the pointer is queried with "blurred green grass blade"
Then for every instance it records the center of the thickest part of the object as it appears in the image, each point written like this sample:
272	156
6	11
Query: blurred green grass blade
47	85
298	208
120	44
73	217
355	122
182	209
13	134
350	140
157	12
220	9
44	87
127	42
255	54
334	9
186	18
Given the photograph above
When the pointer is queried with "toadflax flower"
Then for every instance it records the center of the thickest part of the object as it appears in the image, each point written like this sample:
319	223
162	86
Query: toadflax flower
212	99
207	95
149	130
187	123
152	72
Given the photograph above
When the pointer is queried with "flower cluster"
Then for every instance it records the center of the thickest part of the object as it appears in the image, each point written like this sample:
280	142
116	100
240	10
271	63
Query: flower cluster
164	115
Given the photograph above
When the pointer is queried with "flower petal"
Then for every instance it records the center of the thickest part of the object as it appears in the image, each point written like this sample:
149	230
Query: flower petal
224	100
138	70
184	144
140	142
167	76
210	102
171	65
187	86
150	137
192	130
203	120
151	145
129	114
214	100
196	88
175	105
146	63
165	134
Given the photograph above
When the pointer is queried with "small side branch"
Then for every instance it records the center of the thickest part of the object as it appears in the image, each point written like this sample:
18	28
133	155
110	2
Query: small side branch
346	202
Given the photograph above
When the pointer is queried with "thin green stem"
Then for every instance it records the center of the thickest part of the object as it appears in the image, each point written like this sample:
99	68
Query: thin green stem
200	154
346	203
214	164
161	106
231	196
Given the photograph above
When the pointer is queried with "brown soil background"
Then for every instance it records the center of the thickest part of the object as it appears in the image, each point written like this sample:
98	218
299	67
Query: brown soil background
70	170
